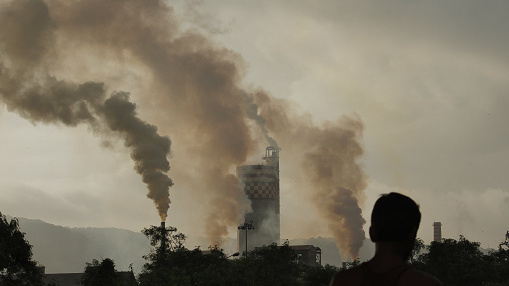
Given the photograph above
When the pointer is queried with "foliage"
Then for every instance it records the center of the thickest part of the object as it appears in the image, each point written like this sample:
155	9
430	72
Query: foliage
102	274
419	247
167	237
186	267
461	262
170	263
454	262
499	262
165	241
354	263
269	265
318	275
16	264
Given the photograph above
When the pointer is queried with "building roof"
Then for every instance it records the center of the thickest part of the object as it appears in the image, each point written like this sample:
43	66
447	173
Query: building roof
304	247
74	279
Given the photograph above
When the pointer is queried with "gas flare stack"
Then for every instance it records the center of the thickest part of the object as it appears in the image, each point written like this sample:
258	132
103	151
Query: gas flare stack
260	183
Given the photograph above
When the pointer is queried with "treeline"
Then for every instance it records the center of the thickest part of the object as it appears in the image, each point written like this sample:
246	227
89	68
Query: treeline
454	262
461	262
170	263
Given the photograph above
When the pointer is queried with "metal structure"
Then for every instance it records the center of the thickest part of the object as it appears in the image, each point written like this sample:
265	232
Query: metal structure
437	231
164	233
260	183
163	236
246	226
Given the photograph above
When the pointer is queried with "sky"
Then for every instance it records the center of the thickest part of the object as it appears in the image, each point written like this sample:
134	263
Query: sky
421	87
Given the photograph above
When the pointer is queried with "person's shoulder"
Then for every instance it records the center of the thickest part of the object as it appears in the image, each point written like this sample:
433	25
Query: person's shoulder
350	276
418	278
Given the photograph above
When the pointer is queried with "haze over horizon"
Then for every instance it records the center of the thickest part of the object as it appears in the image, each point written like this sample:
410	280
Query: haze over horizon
424	87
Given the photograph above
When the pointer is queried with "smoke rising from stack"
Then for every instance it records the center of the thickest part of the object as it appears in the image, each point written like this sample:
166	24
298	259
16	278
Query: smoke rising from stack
253	112
26	88
328	157
192	88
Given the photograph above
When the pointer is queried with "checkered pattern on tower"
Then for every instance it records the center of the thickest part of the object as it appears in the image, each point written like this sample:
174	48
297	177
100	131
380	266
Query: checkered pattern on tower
260	190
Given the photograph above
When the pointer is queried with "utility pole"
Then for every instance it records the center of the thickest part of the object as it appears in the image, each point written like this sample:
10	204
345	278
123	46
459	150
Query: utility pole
246	226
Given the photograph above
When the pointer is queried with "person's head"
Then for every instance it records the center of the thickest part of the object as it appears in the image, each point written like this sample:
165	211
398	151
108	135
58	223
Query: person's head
395	217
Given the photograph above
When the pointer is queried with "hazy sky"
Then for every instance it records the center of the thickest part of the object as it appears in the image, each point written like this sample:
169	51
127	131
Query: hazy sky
428	79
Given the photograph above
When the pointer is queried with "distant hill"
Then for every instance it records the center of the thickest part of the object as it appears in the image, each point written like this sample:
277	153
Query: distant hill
64	249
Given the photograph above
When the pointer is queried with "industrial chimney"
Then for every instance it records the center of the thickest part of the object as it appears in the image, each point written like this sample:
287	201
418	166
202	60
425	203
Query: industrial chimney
437	231
163	236
260	183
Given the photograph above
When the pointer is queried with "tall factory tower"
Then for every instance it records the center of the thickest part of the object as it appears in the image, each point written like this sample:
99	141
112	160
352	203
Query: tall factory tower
437	231
261	185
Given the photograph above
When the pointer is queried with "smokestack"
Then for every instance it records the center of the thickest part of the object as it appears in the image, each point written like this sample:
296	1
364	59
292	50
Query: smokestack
437	231
163	237
260	183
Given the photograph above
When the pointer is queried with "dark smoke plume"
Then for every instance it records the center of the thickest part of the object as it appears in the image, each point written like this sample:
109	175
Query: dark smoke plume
192	89
28	90
329	163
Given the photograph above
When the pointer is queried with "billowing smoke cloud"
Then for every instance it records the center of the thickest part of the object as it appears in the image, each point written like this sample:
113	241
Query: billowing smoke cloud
192	89
328	156
26	88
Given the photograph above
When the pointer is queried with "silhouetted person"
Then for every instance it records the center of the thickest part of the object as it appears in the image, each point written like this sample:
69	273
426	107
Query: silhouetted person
394	223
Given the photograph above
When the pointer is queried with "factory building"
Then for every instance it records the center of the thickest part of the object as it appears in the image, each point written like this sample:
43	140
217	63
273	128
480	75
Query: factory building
304	254
260	183
308	254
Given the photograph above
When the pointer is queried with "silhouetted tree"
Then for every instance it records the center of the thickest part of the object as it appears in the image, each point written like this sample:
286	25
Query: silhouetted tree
418	249
499	265
318	275
170	263
456	262
165	238
269	265
103	274
16	264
